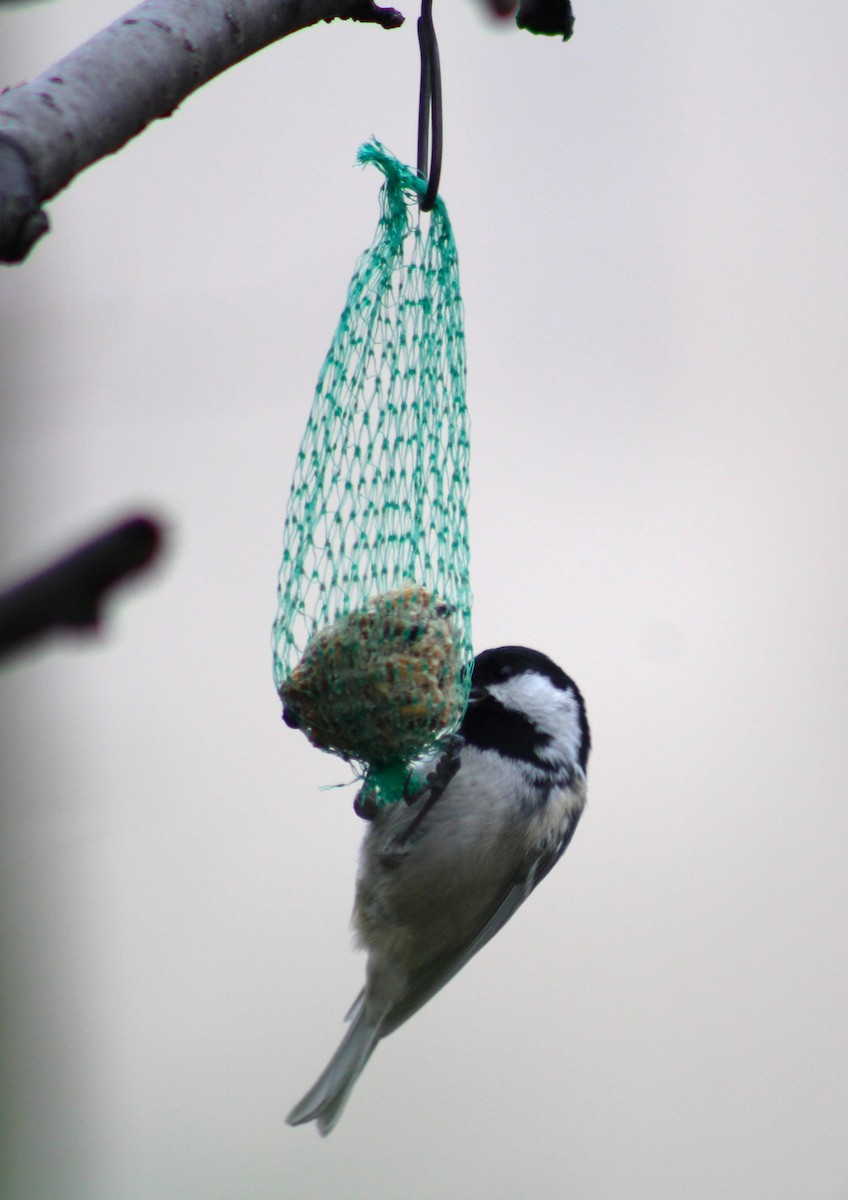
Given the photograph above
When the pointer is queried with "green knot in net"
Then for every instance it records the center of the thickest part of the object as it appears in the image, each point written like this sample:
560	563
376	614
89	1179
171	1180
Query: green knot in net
372	640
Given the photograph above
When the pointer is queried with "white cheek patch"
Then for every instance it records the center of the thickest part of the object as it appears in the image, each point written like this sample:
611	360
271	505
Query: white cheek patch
553	711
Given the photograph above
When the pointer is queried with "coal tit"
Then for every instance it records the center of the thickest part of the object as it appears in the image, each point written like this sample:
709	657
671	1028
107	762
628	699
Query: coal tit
440	876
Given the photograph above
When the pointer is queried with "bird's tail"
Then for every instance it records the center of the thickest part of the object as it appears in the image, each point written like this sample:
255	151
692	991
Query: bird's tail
325	1101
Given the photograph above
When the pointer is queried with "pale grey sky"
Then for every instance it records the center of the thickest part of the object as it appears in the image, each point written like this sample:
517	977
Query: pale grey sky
652	237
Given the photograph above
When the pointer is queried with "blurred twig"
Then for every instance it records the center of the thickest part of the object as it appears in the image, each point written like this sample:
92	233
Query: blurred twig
554	18
68	594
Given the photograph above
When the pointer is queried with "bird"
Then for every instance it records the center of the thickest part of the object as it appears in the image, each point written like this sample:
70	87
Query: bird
440	875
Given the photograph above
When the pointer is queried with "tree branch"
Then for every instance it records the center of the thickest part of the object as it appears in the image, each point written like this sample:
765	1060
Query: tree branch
68	594
139	68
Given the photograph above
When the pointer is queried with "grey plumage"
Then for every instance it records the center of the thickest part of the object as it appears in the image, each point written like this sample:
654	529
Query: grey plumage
327	1097
431	892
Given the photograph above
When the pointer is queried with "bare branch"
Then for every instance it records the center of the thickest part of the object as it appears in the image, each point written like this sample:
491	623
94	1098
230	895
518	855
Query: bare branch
68	594
138	69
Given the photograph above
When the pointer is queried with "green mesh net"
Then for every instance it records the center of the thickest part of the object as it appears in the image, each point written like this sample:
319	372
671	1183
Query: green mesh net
372	641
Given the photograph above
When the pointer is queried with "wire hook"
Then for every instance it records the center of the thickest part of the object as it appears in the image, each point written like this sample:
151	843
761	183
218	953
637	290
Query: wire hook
429	107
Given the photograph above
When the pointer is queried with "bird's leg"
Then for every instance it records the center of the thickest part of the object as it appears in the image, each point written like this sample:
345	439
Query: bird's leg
437	781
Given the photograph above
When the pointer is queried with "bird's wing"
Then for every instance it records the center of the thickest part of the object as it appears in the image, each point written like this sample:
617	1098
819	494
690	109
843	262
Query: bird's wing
432	976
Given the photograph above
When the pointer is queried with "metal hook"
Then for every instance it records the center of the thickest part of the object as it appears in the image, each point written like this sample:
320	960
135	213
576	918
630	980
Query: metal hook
429	107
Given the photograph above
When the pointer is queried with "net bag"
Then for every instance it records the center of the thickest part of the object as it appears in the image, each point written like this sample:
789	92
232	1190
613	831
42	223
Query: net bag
372	640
